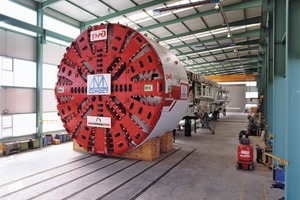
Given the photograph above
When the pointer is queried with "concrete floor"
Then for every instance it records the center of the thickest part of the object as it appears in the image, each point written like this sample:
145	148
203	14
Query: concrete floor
201	167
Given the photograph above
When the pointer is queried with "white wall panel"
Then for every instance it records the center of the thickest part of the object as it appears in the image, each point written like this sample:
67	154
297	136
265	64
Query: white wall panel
2	42
53	53
20	100
19	46
2	99
237	98
49	101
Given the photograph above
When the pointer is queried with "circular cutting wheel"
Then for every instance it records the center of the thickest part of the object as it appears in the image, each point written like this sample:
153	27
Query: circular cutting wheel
110	89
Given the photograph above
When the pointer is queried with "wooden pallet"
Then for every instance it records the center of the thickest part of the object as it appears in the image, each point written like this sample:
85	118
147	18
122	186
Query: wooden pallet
77	147
166	142
56	141
152	148
1	149
149	151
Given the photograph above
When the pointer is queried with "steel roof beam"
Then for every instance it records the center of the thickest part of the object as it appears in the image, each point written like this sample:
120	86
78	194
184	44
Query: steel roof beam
246	67
48	3
250	67
201	51
254	20
244	34
248	57
229	64
222	71
35	29
237	6
27	4
233	71
212	55
34	5
62	17
254	65
236	66
125	11
247	61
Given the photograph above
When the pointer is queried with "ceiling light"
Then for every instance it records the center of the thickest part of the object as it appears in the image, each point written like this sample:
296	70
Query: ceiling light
228	35
217	6
156	11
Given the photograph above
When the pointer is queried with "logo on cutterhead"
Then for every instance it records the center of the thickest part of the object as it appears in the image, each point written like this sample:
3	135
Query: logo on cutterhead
97	35
98	84
103	122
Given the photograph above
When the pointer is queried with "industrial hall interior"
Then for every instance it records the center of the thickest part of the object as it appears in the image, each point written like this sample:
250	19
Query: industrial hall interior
149	99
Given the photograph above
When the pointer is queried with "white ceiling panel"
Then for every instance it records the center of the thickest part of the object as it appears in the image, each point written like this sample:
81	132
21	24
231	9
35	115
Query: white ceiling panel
195	24
80	15
160	32
193	40
213	20
226	41
149	22
63	7
185	12
205	7
253	28
94	6
233	15
210	59
119	5
240	39
206	37
177	28
142	1
253	12
84	11
165	18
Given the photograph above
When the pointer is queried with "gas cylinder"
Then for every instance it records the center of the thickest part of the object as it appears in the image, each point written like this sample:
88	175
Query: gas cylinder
245	155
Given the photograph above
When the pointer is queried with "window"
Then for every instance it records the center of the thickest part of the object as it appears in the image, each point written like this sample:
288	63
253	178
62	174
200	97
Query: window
21	13
17	29
7	64
60	27
251	83
6	126
49	76
250	105
251	95
16	11
16	72
24	73
6	132
18	125
52	122
57	41
6	71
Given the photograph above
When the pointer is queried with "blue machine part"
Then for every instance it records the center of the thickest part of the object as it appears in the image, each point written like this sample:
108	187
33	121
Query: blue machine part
279	174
